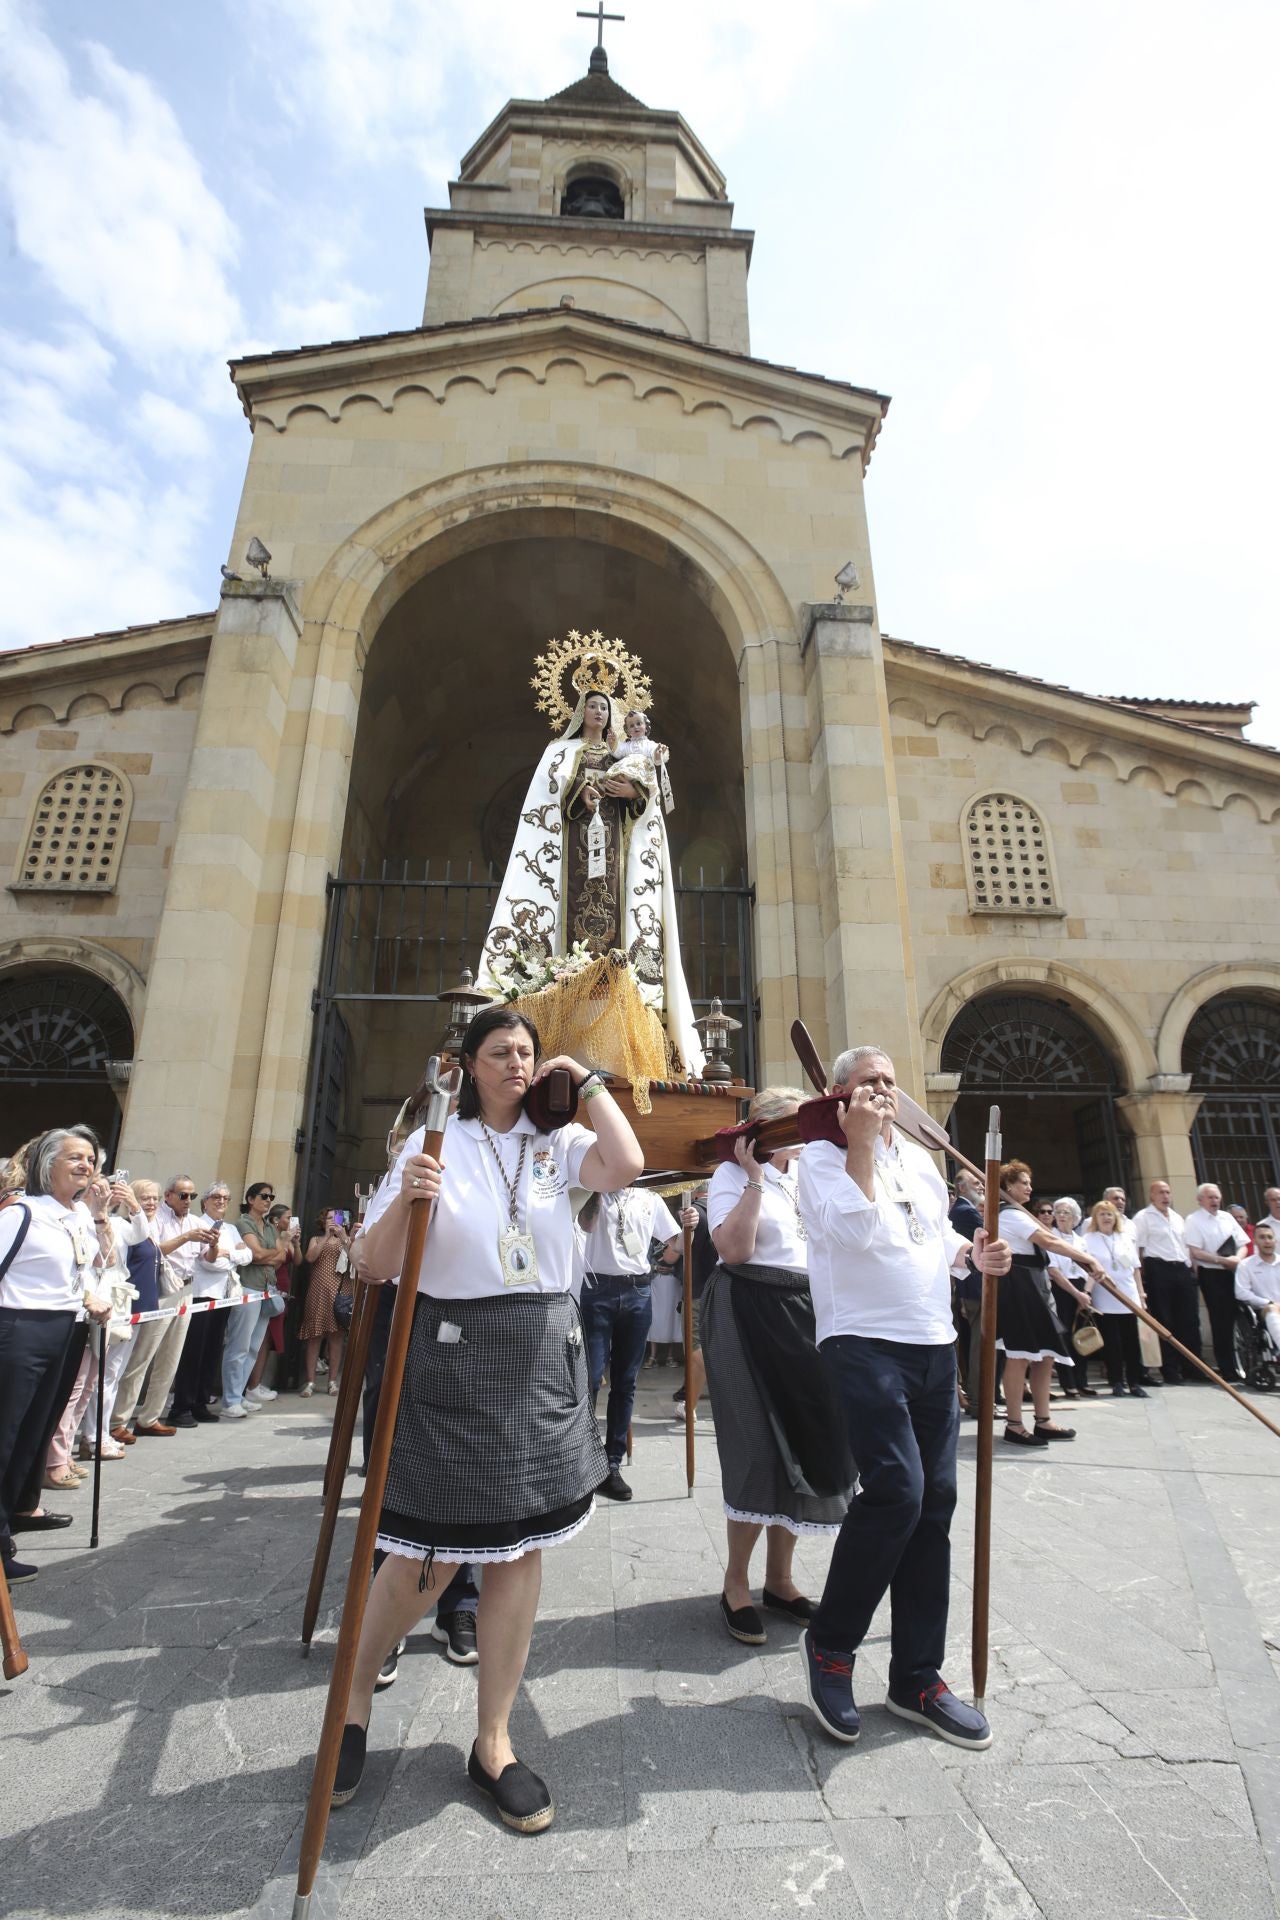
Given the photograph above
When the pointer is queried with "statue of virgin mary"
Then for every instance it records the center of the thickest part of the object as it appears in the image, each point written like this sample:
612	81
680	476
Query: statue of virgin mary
590	867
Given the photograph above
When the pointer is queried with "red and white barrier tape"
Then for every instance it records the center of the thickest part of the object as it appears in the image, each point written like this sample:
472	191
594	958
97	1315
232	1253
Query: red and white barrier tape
241	1299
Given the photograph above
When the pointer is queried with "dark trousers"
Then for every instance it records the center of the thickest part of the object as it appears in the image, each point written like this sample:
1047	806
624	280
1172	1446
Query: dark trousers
33	1347
617	1313
189	1395
900	1408
462	1594
1076	1376
1218	1285
1174	1299
1122	1348
970	1331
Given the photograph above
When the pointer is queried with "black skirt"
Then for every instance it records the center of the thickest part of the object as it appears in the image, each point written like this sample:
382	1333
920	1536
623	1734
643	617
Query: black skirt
1027	1328
496	1450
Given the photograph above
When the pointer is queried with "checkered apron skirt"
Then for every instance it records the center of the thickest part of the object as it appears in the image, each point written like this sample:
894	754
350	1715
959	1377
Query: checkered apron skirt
759	1477
496	1449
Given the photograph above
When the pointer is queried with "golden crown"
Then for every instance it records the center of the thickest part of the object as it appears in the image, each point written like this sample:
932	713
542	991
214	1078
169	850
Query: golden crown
593	664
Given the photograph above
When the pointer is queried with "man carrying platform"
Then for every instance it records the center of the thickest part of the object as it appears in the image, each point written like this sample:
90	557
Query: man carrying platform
881	1255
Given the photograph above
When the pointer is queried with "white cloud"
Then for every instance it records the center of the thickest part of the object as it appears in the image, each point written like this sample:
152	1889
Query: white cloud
110	204
175	433
380	75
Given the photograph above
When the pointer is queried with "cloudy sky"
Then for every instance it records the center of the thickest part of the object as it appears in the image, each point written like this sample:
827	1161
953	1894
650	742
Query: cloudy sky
1046	227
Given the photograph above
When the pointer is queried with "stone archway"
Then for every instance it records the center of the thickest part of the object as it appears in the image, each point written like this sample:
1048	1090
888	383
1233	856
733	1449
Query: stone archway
428	529
447	738
1057	1085
1057	1054
66	1046
1231	1056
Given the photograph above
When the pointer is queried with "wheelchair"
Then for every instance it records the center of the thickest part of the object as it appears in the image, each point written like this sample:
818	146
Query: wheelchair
1256	1358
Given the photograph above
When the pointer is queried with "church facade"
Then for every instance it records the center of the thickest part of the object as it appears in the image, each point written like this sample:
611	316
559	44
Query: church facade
247	849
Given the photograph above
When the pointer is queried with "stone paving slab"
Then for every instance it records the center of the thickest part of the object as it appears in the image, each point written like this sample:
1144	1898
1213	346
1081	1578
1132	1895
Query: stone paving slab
157	1755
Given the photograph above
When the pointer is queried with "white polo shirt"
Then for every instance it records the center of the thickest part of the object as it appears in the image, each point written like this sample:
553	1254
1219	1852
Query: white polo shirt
1208	1231
867	1275
168	1226
1161	1236
625	1223
461	1258
1258	1281
55	1263
780	1240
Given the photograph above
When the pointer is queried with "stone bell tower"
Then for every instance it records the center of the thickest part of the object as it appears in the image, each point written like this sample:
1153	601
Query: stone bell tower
591	199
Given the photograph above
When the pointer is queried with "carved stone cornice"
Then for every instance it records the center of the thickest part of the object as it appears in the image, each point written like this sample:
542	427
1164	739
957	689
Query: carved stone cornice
40	685
431	360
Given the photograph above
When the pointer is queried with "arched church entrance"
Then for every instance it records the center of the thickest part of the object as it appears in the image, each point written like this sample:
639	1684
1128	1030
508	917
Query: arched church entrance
447	738
66	1042
1056	1083
1232	1052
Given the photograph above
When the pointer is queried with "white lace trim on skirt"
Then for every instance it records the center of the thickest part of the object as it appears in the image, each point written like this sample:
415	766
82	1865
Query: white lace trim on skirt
1045	1353
483	1556
779	1520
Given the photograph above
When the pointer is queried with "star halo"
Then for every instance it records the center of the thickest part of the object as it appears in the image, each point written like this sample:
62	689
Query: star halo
591	663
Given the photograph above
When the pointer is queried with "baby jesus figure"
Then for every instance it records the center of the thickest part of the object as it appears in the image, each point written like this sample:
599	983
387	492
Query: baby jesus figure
651	754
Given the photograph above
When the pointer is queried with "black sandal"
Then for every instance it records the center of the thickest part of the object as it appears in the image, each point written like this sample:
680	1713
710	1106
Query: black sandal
1019	1437
1049	1430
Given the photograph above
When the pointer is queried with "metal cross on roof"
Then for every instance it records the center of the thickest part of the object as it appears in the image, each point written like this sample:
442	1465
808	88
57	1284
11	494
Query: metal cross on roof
600	16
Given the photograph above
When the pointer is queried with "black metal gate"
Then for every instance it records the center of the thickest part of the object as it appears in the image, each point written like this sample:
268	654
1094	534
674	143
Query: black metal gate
1232	1052
1057	1086
402	936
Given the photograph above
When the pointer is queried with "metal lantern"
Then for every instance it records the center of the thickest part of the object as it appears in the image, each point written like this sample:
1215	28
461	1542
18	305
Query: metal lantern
465	1001
716	1027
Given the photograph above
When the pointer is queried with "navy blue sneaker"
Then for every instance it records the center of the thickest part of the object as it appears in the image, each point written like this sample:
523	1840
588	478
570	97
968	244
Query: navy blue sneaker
828	1679
937	1708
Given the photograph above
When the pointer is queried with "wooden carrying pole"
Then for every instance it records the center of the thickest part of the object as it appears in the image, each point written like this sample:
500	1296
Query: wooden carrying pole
986	1424
15	1660
690	1412
335	1472
439	1089
1194	1358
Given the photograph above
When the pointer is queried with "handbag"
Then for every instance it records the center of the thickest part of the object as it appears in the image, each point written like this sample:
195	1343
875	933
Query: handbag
343	1307
1086	1337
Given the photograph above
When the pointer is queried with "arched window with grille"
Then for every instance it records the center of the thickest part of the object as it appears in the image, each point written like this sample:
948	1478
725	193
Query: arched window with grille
1057	1083
1232	1052
77	830
1008	858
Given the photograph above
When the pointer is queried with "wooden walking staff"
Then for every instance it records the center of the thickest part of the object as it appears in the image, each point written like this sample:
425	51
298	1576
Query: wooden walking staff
978	1639
97	1443
351	1385
15	1660
335	1472
440	1088
690	1412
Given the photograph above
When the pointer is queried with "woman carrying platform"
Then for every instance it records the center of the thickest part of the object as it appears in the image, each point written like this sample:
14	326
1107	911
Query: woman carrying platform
496	1453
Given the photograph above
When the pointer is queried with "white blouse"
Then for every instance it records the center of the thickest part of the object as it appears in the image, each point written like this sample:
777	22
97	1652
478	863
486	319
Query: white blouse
54	1267
1116	1254
461	1261
216	1279
625	1223
780	1240
1016	1229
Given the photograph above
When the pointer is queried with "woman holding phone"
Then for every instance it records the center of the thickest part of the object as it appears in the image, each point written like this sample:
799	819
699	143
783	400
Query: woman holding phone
329	1258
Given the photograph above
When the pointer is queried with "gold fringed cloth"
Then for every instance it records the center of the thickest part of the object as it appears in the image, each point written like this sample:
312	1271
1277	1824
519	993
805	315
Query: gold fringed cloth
598	1016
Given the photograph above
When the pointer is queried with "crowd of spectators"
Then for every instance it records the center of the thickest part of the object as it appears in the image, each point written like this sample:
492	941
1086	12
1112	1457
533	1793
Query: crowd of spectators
83	1253
1050	1303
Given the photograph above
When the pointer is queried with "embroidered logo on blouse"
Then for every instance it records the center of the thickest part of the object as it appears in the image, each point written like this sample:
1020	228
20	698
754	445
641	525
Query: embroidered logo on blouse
548	1181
